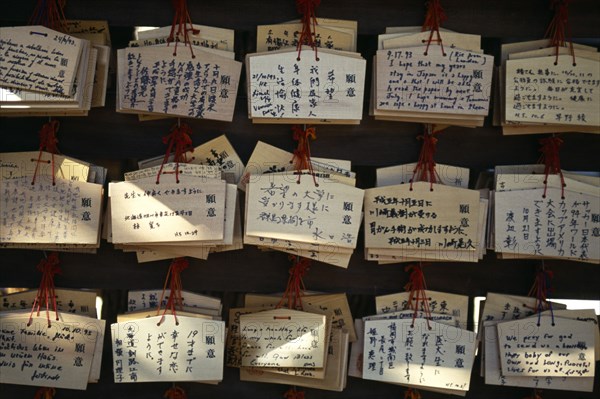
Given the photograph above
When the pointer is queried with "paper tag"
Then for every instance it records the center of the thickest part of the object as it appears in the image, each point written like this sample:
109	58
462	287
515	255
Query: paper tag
190	351
283	338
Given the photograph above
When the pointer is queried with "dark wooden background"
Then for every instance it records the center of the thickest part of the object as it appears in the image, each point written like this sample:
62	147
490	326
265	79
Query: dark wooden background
117	141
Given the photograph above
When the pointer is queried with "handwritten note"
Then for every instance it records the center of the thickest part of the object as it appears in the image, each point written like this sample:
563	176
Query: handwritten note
439	357
449	175
22	164
275	37
59	356
445	218
150	299
185	169
152	80
446	319
190	351
409	80
283	338
193	210
526	223
71	301
280	86
281	207
36	58
555	347
67	212
208	36
438	302
540	90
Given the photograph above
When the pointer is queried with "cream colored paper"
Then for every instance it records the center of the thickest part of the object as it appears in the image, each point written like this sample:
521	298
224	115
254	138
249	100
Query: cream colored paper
283	338
190	351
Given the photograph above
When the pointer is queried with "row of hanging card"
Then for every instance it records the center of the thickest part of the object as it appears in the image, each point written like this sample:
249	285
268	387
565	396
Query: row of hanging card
296	338
431	75
531	341
184	70
541	211
50	201
69	59
417	339
289	84
179	208
424	211
169	335
548	85
51	337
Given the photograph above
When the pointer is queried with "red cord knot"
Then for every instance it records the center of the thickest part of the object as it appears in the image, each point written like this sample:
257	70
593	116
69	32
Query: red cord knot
176	392
301	158
308	35
417	298
179	143
46	295
411	393
434	18
294	291
293	393
48	143
559	28
425	168
550	149
45	393
173	281
50	13
182	26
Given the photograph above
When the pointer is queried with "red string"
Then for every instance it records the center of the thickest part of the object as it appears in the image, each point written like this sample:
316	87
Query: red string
50	13
48	142
46	295
179	140
559	28
411	393
45	393
301	158
417	297
293	393
540	289
434	18
309	25
175	392
535	394
550	157
295	286
425	168
182	25
175	297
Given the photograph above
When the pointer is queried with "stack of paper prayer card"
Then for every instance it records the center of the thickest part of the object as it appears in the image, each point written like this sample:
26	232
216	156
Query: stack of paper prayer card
443	221
173	210
539	216
556	349
417	81
548	89
45	72
44	348
217	153
194	79
307	348
407	345
149	344
50	202
314	215
289	82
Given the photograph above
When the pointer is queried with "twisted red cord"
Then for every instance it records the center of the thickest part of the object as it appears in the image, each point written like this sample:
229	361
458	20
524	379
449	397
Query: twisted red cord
434	18
173	279
45	393
180	142
540	289
293	393
417	298
411	393
301	158
48	143
182	25
46	295
175	392
309	25
294	291
425	168
550	149
559	28
50	13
